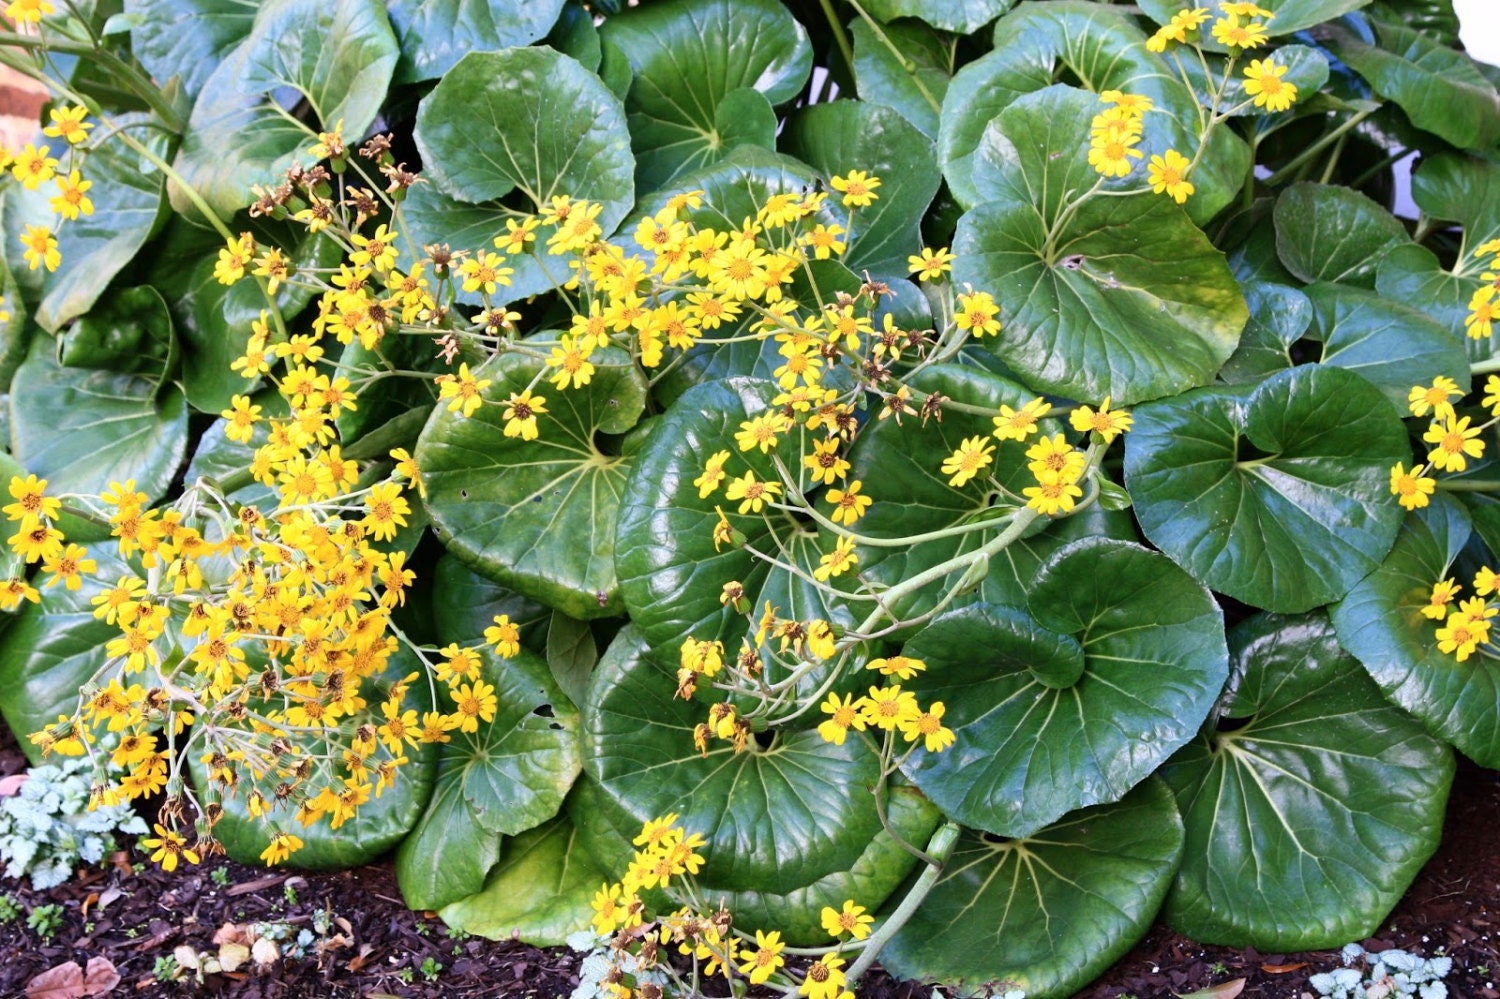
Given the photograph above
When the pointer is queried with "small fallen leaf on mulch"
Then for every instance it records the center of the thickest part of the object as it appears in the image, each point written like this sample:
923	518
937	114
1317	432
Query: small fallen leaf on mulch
233	955
1282	969
72	981
12	784
1224	990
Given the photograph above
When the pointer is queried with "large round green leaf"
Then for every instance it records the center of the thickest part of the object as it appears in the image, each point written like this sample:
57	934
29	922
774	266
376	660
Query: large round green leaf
186	38
1073	704
881	71
1102	47
671	574
853	135
775	818
687	56
1279	316
962	17
540	892
128	206
1313	805
509	776
1128	300
53	647
378	825
1441	89
82	430
435	34
338	55
1045	914
1325	232
465	603
1381	624
128	332
1278	495
796	913
537	516
1391	345
531	120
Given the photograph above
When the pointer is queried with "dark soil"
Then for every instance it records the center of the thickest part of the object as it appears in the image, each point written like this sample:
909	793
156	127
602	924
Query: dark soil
367	944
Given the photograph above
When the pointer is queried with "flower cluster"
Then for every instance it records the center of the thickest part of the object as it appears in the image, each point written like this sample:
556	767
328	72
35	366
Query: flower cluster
1455	439
1480	320
35	165
1463	630
666	860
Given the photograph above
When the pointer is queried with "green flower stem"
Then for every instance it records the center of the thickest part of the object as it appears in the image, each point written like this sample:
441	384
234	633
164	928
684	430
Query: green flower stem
1312	151
840	36
939	848
906	64
135	81
1487	366
1468	486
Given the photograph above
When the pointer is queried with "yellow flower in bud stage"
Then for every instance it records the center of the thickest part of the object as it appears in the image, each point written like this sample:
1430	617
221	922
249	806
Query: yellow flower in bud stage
464	390
1167	174
968	460
931	264
1263	81
1412	489
848	504
821	641
764	959
852	919
41	248
1443	592
1456	442
857	188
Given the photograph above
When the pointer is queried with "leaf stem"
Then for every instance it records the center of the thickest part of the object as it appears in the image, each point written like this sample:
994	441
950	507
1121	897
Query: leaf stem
840	36
939	848
1302	158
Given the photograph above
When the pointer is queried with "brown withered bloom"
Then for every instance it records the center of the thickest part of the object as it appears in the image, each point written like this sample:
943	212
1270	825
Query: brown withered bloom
376	146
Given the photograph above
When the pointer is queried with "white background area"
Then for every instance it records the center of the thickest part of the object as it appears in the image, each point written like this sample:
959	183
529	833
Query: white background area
1479	28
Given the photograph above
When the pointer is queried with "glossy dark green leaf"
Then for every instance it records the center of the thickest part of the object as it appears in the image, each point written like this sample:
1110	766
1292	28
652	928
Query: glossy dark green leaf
1306	69
378	825
1073	704
775	819
1279	316
1046	914
186	38
539	515
853	135
52	648
959	16
796	913
1279	495
82	430
574	34
390	399
686	56
1381	625
448	854
531	121
16	330
337	55
571	655
1311	808
1101	46
1391	345
465	603
908	69
128	332
1440	89
1290	15
539	893
128	206
435	34
1325	232
1129	300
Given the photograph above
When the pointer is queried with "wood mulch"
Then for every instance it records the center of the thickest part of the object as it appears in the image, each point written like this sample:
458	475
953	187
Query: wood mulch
365	943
